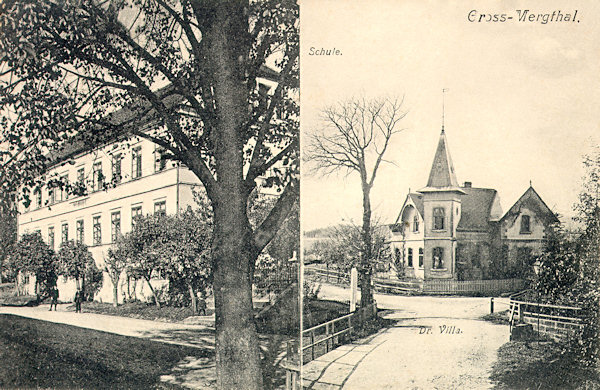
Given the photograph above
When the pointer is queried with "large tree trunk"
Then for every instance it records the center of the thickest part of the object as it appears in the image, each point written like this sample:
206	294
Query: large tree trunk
238	358
237	352
366	294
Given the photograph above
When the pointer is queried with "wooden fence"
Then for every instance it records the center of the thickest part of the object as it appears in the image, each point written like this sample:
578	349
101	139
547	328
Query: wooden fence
275	281
321	339
555	321
432	286
494	286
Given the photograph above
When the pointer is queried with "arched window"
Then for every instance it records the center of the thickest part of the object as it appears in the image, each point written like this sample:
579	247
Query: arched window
416	223
437	258
525	224
438	218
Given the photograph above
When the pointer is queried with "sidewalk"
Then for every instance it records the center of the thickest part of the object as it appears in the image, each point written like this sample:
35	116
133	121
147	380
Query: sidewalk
199	336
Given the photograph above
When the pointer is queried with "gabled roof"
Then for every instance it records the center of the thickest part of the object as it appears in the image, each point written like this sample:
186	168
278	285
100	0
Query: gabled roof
533	200
417	201
442	176
476	208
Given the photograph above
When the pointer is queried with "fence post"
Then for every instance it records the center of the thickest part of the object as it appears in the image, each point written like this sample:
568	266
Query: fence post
491	305
312	347
327	340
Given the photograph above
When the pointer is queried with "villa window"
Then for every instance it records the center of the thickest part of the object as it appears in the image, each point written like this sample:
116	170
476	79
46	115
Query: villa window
410	257
525	224
438	218
97	230
420	257
136	163
438	258
416	224
115	220
79	231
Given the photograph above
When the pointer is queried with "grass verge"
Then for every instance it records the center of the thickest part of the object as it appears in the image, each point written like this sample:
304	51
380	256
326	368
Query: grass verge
543	365
39	354
141	310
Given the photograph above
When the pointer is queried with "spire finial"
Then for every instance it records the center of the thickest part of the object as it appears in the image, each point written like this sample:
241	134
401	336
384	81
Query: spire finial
530	184
444	90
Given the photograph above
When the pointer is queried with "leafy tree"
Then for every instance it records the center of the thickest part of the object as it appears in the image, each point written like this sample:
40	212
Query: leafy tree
147	247
32	255
73	258
114	264
91	282
570	269
354	139
187	261
190	68
8	234
558	267
343	247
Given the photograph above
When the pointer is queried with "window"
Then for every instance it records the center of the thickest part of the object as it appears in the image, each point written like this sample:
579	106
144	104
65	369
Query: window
438	258
160	207
98	177
398	254
51	237
115	225
160	163
51	196
96	230
63	192
525	224
64	233
410	257
81	175
438	218
39	199
416	223
420	257
136	163
136	212
79	231
116	168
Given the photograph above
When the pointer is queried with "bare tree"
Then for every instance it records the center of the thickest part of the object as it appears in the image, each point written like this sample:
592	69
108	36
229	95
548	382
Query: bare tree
354	138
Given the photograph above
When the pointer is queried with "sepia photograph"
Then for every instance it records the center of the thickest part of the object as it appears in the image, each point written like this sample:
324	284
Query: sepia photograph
450	194
149	177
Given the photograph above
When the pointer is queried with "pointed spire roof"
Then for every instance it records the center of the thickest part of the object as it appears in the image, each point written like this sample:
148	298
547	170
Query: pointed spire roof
442	176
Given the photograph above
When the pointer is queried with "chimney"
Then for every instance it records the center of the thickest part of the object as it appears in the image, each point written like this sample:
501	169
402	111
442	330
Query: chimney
468	184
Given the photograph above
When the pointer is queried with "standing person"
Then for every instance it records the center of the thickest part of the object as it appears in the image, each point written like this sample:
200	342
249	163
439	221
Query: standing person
78	301
54	296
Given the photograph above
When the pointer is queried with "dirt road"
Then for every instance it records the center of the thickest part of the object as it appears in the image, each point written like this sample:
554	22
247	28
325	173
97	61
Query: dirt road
437	343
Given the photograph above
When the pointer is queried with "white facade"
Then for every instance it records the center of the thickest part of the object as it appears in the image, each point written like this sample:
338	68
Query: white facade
144	186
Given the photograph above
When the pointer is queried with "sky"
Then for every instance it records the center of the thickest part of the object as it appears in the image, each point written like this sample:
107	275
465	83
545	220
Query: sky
522	100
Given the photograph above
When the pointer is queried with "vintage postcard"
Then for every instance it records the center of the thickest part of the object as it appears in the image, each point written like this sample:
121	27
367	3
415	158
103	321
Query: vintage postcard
450	158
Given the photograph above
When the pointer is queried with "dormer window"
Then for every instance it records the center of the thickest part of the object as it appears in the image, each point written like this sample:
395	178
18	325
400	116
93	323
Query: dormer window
438	218
416	223
525	224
